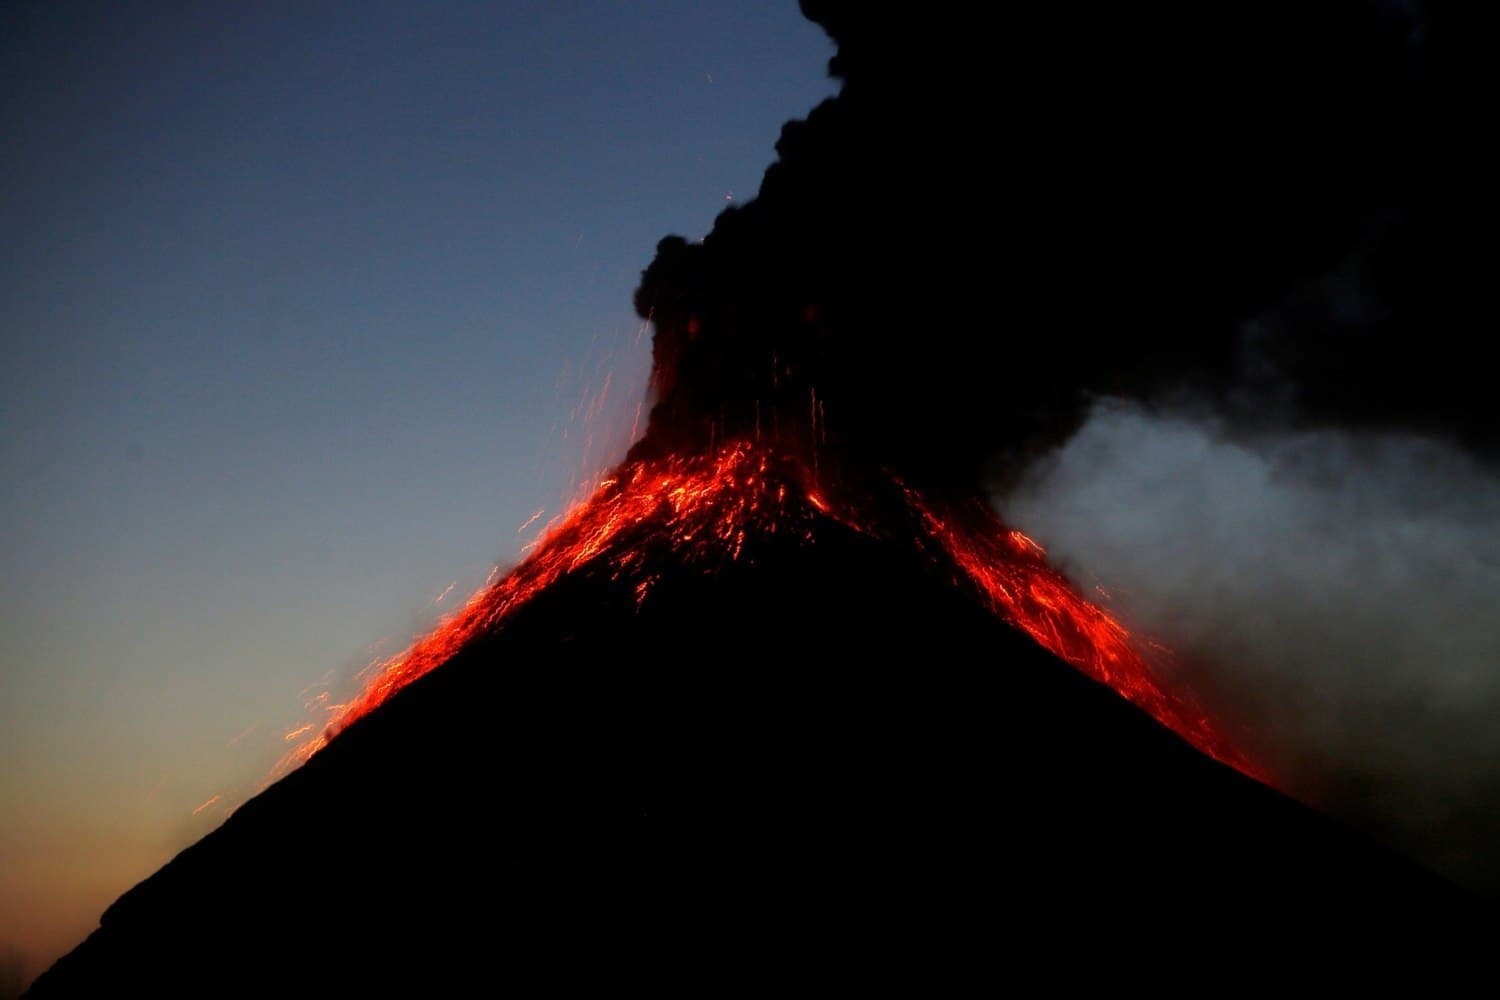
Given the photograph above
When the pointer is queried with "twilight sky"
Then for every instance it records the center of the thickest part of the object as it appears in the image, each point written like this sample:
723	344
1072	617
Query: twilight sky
305	308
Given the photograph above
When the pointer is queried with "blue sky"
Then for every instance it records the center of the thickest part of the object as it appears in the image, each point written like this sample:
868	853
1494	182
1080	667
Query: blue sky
302	307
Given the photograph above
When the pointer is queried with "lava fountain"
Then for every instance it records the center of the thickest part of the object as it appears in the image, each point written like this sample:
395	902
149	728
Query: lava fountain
700	509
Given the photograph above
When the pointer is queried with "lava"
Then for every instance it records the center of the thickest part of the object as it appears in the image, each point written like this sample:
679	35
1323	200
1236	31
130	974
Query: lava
1012	572
699	510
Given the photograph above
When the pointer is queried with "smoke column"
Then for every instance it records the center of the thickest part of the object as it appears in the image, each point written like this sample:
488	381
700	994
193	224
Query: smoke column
988	228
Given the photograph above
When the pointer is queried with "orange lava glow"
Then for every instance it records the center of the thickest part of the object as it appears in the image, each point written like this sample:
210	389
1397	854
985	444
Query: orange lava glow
704	508
1012	572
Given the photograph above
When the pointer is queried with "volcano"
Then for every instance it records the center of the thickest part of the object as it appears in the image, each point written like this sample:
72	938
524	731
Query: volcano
741	736
784	701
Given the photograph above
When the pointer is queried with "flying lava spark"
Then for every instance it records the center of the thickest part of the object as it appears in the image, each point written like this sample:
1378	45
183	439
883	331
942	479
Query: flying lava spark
700	510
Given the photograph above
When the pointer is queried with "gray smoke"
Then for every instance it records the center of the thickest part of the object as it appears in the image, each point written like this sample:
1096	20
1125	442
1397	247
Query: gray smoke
1331	594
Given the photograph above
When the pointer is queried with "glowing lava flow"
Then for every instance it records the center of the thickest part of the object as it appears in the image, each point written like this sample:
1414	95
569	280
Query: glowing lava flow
703	508
1012	572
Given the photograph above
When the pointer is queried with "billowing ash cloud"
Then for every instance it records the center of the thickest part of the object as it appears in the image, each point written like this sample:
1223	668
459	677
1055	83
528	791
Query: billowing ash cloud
993	224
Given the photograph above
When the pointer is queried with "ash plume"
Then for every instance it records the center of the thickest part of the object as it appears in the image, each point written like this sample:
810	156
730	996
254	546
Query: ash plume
989	228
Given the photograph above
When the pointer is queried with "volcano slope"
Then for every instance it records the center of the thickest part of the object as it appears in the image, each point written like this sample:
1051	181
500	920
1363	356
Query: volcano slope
825	756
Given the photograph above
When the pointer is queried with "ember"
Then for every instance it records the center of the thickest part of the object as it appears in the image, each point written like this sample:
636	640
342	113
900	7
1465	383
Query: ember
706	506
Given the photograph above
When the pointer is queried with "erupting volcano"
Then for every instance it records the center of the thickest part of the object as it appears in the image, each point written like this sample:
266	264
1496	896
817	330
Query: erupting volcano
700	511
784	690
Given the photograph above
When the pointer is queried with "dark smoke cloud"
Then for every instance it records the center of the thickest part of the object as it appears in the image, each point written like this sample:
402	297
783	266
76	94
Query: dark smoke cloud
997	221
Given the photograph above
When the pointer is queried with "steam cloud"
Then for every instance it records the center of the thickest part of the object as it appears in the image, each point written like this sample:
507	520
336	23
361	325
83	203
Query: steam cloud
1331	592
1264	214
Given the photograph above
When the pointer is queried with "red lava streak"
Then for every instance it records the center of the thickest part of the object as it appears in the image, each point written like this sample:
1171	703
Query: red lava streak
703	508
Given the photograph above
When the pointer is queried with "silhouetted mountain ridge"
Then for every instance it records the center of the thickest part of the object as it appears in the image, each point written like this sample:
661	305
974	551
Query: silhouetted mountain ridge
824	756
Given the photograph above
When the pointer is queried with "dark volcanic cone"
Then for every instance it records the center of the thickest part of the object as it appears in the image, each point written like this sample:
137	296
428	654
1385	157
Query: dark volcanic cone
820	755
